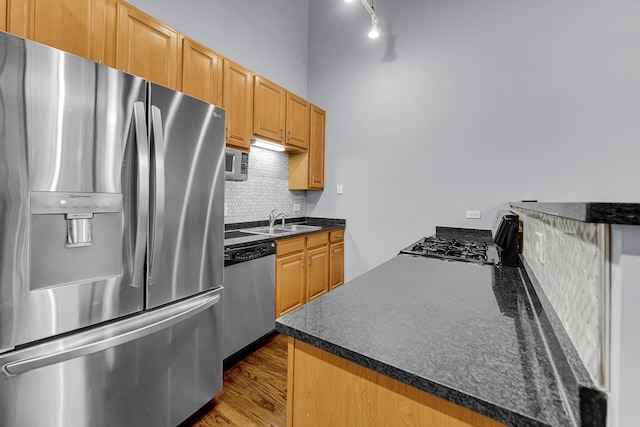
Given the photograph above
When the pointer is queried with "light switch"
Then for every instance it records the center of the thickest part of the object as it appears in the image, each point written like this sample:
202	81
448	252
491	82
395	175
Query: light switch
339	189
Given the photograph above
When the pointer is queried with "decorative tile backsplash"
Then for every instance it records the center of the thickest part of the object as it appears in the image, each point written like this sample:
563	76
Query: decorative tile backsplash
266	188
568	262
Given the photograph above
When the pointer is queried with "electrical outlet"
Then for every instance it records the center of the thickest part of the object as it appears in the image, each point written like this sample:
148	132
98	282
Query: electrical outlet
296	207
225	209
473	214
339	189
540	247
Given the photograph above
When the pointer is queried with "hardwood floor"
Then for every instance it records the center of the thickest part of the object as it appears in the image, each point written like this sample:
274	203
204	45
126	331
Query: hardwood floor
254	391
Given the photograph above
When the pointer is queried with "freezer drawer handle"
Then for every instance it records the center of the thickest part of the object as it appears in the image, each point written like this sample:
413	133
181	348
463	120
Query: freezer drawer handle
99	342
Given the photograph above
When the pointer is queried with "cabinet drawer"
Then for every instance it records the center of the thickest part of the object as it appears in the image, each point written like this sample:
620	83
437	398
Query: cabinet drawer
317	239
336	236
288	246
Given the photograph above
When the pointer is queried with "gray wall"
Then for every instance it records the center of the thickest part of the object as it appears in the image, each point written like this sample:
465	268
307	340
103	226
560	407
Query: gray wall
458	105
270	38
469	104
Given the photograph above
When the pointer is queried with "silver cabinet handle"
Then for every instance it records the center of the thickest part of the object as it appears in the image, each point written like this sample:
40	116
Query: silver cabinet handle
108	336
142	208
158	205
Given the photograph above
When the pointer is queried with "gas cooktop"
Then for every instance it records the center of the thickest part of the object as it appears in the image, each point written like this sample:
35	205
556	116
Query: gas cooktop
453	249
497	246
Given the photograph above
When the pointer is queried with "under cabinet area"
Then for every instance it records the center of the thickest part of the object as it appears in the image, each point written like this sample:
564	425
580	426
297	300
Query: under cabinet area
307	267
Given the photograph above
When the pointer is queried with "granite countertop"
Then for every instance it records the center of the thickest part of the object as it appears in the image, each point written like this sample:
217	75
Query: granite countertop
607	213
325	224
461	331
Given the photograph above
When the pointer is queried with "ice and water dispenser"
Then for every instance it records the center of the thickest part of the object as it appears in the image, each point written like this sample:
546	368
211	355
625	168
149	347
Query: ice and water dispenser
75	237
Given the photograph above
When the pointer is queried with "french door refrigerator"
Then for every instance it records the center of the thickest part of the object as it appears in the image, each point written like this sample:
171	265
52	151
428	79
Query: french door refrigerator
111	244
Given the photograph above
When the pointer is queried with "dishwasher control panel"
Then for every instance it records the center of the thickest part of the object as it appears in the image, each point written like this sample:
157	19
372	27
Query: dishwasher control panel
249	252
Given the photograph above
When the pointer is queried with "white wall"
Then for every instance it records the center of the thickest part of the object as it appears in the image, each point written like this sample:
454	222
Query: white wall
268	37
469	104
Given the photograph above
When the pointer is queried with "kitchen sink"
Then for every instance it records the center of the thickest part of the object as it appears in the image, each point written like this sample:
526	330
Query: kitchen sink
278	230
298	227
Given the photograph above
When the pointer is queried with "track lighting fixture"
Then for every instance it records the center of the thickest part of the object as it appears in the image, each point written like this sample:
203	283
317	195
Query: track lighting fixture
374	33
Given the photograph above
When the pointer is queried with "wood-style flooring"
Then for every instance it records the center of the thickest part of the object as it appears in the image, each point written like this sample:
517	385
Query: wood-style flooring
254	391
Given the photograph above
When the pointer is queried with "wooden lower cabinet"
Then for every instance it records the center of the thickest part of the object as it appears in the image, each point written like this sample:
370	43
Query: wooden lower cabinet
303	269
317	265
3	15
336	258
336	262
326	390
290	273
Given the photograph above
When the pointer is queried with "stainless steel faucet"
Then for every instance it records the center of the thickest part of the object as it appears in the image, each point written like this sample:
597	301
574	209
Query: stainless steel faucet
273	217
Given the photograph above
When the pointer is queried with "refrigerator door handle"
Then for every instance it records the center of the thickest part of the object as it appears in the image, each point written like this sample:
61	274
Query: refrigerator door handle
157	139
105	337
142	217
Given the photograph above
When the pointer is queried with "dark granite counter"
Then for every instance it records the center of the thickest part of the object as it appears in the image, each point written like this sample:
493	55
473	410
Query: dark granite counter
464	332
325	224
607	213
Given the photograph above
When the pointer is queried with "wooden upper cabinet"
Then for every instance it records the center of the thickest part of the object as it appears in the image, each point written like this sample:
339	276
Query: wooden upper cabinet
75	26
316	148
237	101
306	169
297	122
201	72
146	47
269	107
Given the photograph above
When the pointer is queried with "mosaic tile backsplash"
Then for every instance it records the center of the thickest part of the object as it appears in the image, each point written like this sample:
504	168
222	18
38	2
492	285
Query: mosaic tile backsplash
571	274
266	188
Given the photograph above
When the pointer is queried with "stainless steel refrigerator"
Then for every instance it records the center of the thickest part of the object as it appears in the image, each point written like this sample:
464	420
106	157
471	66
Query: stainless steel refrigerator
111	244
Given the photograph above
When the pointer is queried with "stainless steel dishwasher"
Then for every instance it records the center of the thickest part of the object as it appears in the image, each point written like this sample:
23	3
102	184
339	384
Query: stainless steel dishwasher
249	295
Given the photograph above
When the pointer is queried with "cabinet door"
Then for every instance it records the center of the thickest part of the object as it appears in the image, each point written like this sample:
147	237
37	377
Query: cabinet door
75	26
3	15
201	72
290	282
317	272
146	47
336	265
269	105
316	149
237	101
297	122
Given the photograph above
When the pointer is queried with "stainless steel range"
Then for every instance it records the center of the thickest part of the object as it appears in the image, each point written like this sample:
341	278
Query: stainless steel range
497	246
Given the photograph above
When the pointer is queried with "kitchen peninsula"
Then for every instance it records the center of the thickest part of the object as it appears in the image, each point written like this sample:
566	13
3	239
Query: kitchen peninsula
419	341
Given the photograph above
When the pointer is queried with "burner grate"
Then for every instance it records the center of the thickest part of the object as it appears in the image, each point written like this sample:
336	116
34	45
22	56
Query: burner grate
464	250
